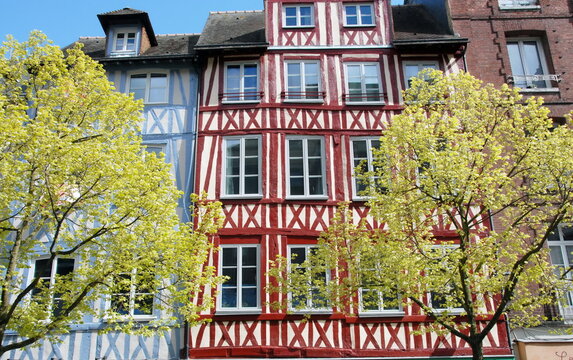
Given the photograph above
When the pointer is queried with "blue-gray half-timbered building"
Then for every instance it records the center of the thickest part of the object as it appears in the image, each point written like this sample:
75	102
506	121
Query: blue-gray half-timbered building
161	70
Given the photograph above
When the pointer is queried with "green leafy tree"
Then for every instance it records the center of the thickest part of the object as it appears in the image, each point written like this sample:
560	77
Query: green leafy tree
76	183
460	154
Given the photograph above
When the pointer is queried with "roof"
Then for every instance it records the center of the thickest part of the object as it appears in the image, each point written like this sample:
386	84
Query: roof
231	30
425	27
124	16
168	46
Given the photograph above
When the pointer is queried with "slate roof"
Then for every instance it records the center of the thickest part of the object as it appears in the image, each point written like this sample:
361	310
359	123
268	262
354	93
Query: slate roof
232	30
124	11
414	23
168	46
124	16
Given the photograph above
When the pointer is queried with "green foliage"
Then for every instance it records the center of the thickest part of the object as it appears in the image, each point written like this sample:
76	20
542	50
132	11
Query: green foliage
75	182
459	154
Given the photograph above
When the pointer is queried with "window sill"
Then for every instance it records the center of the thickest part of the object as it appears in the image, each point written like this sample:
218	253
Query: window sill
123	54
454	312
518	8
388	313
307	197
360	26
306	101
225	102
238	197
138	318
310	311
299	27
539	90
226	312
365	103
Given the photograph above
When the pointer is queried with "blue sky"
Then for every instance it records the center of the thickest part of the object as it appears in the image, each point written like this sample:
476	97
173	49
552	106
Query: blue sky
64	21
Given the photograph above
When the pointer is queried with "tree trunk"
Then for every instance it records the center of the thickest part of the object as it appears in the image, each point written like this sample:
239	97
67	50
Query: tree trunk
477	349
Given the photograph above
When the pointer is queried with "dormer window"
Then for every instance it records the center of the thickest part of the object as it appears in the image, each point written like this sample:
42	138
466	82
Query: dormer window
124	42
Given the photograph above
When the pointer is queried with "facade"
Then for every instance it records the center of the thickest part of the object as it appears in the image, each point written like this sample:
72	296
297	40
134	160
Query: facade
527	44
292	98
160	69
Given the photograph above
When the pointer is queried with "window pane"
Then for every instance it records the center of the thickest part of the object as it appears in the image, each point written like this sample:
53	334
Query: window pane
314	147
251	166
296	186
249	297
567	232
296	167
315	186
143	304
249	276
43	268
249	256
156	95
298	255
233	166
315	166
231	274
233	147
229	257
359	147
295	148
251	185
65	266
366	14
232	186
229	297
251	147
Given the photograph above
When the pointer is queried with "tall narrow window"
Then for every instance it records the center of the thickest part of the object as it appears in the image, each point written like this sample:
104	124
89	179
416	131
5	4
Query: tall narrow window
298	16
528	65
561	250
240	264
242	170
132	295
303	80
363	161
306	167
241	83
358	15
363	83
311	300
151	87
413	68
49	272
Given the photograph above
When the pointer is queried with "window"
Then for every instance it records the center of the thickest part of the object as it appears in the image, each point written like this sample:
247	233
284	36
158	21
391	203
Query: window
311	300
298	16
132	295
124	42
305	167
157	149
438	298
303	80
358	15
240	264
518	4
49	272
412	69
151	87
242	167
528	66
363	161
363	83
241	83
561	251
374	301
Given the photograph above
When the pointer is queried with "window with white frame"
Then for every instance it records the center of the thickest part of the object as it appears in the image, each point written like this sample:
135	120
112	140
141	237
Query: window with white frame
438	299
359	14
157	149
363	161
241	82
518	4
240	264
305	167
363	83
561	250
124	42
303	80
242	166
298	16
151	87
49	272
311	299
413	68
373	300
132	295
528	64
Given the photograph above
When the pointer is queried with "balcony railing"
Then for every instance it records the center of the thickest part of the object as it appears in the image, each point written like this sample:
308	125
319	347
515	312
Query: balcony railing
534	81
518	4
358	98
246	96
303	95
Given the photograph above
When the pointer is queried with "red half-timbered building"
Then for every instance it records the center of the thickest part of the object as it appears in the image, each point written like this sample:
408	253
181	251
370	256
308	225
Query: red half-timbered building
292	98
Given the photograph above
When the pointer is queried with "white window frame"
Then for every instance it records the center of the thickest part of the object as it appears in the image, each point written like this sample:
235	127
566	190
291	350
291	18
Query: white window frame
422	65
298	16
132	294
449	310
241	97
306	176
542	59
53	273
148	76
369	159
309	308
519	4
363	84
240	309
125	31
380	311
359	14
242	174
303	98
562	243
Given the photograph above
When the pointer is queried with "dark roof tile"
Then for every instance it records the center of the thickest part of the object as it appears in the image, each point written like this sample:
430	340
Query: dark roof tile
234	29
